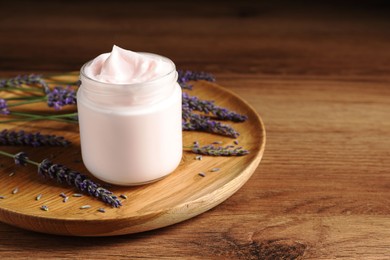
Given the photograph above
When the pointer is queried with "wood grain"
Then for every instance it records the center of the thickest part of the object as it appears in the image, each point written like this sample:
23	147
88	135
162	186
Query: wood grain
178	197
317	73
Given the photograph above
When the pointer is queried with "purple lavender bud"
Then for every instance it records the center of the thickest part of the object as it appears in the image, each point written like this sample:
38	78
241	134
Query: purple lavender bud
63	174
21	158
207	107
20	80
61	96
186	111
31	139
3	107
187	75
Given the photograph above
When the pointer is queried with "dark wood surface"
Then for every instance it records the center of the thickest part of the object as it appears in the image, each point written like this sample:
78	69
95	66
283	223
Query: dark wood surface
318	74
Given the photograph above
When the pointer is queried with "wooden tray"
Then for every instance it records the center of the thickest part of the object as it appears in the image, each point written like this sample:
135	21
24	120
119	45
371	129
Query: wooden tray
180	196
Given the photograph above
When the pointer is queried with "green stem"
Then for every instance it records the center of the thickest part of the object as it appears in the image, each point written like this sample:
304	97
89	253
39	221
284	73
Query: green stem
38	118
32	117
24	98
59	82
43	116
13	156
27	102
22	89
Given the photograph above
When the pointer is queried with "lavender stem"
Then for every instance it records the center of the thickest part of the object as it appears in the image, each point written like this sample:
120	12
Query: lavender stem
62	174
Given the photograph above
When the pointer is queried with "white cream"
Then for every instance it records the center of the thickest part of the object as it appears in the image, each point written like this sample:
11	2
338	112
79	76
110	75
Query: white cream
126	67
129	107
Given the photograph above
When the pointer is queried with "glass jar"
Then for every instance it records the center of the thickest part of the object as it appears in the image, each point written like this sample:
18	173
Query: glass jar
130	134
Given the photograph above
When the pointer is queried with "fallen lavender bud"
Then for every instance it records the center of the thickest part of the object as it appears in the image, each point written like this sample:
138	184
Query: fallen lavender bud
9	137
206	106
203	123
63	174
123	196
61	96
218	150
45	208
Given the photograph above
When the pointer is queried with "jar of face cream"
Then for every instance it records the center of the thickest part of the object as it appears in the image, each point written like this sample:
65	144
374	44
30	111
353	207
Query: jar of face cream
129	109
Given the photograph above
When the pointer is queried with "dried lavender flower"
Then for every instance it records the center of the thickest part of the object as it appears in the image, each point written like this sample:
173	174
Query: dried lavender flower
65	199
123	196
63	195
44	208
219	150
186	75
202	174
10	137
14	191
102	210
20	80
2	197
214	169
61	96
206	106
11	174
198	157
197	122
63	174
85	207
4	107
77	195
38	197
21	158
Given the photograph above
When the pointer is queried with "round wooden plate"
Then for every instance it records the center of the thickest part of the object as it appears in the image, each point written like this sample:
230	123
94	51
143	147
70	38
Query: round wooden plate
180	196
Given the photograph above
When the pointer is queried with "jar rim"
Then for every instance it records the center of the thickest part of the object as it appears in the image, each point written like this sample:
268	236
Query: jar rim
82	72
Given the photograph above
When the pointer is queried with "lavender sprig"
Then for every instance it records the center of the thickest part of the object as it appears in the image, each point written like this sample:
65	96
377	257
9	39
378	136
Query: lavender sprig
207	107
218	150
196	122
186	75
21	137
62	174
60	96
20	80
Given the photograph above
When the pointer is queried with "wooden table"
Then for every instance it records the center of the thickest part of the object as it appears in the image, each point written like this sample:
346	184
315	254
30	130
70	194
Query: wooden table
319	76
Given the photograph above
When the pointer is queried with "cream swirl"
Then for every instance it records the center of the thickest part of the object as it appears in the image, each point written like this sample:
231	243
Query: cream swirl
126	67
